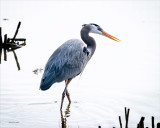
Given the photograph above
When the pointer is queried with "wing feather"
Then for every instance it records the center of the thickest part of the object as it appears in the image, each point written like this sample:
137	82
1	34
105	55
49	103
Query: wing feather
66	62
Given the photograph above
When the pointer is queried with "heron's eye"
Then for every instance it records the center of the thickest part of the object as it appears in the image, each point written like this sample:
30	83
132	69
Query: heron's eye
99	29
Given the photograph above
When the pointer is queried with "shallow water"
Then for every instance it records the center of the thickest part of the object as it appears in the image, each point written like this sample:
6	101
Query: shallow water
26	106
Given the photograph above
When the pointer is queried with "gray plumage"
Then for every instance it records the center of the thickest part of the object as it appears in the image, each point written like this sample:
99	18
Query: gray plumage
66	62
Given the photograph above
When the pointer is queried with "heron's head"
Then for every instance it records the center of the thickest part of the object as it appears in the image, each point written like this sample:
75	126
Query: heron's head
94	28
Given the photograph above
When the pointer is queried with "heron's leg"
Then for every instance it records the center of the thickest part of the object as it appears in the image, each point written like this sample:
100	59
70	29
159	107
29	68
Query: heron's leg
64	92
63	95
67	93
68	96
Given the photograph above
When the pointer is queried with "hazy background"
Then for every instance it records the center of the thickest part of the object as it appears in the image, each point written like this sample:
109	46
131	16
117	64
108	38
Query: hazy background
133	64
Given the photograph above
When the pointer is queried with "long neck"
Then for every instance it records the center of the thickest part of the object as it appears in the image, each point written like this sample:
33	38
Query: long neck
91	44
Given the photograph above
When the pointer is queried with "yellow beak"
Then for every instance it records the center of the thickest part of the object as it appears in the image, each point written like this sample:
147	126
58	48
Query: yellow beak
110	36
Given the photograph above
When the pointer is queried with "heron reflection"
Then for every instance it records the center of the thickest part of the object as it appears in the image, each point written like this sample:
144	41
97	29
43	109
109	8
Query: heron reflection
66	115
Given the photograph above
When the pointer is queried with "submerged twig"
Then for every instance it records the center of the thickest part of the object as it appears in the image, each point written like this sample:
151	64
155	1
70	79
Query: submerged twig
120	122
11	44
19	24
15	56
0	44
5	41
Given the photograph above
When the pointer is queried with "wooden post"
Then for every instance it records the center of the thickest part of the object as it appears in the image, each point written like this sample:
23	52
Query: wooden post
152	122
125	113
141	123
15	56
120	122
158	125
0	44
5	41
126	116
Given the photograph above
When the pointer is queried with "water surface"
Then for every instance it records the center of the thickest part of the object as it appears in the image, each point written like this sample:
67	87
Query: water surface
26	106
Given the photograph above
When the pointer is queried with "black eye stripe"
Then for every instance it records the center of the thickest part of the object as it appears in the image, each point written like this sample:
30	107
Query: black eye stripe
95	25
98	27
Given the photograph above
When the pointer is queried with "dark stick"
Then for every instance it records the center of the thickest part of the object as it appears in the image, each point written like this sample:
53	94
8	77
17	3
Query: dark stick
99	126
0	45
15	56
17	39
0	54
125	113
152	122
120	122
5	41
127	116
141	123
158	125
16	32
0	35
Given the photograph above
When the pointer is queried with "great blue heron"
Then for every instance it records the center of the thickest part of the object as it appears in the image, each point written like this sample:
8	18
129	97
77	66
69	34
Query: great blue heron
70	59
